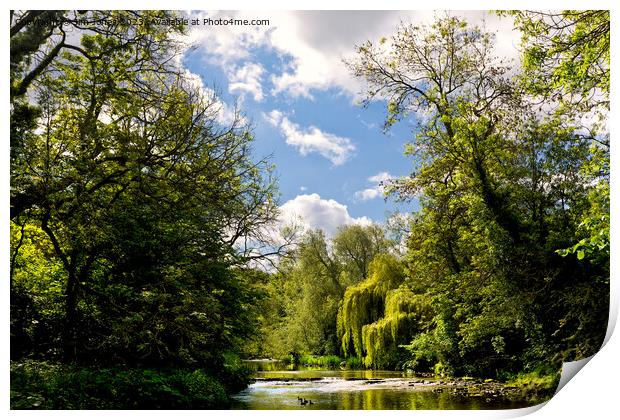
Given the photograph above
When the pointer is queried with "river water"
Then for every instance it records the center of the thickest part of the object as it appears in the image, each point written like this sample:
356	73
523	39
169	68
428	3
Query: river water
278	386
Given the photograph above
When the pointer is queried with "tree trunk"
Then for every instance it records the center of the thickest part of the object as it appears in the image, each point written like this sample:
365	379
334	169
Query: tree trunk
69	337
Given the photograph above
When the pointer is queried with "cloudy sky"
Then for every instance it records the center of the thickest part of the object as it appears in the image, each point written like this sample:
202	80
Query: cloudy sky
290	81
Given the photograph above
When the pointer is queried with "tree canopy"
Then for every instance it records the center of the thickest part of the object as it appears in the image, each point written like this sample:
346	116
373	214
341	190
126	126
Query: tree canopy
129	194
502	190
140	216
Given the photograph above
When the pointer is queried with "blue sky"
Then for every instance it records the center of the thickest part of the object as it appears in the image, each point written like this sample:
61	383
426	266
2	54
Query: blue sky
292	85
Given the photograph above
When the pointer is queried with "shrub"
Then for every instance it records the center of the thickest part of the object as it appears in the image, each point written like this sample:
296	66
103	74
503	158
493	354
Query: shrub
324	361
536	385
354	362
51	386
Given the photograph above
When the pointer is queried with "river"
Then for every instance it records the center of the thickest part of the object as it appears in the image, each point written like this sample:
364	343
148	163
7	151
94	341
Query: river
278	386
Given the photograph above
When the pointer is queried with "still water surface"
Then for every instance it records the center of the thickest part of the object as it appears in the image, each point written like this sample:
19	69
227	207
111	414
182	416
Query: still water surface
279	386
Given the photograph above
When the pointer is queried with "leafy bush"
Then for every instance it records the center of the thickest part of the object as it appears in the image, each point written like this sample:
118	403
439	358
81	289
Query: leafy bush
536	385
325	361
51	386
430	349
353	362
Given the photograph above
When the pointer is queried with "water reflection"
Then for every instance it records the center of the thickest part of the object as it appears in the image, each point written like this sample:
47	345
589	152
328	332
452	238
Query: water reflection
276	387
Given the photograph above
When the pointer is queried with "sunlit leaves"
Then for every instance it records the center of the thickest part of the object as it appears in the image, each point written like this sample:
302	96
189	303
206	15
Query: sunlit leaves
501	188
140	192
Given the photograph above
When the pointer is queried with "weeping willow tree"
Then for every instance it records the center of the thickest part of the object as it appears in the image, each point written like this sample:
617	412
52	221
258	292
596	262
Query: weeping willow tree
363	303
406	314
380	313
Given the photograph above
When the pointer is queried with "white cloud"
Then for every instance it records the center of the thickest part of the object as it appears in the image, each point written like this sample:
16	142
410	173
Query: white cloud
312	139
247	78
380	177
303	188
369	193
376	190
314	212
313	43
225	44
274	117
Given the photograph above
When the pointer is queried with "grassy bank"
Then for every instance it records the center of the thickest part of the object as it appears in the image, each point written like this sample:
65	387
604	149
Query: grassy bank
328	361
44	385
535	385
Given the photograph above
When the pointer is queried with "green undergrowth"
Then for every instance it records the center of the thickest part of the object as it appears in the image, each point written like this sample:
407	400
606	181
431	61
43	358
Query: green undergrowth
324	361
330	361
535	385
44	385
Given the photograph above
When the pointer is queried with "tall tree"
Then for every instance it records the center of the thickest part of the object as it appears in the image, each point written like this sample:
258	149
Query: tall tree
312	283
500	189
141	190
45	45
355	246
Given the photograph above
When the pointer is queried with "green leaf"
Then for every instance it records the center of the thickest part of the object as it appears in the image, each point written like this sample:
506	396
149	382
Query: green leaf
581	255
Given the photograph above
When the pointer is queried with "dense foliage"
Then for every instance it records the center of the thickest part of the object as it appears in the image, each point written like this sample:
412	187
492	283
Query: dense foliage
504	191
305	294
377	315
130	196
47	386
507	262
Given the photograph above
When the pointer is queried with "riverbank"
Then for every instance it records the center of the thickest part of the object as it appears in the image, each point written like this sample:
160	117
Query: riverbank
51	386
331	361
535	386
286	387
539	390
